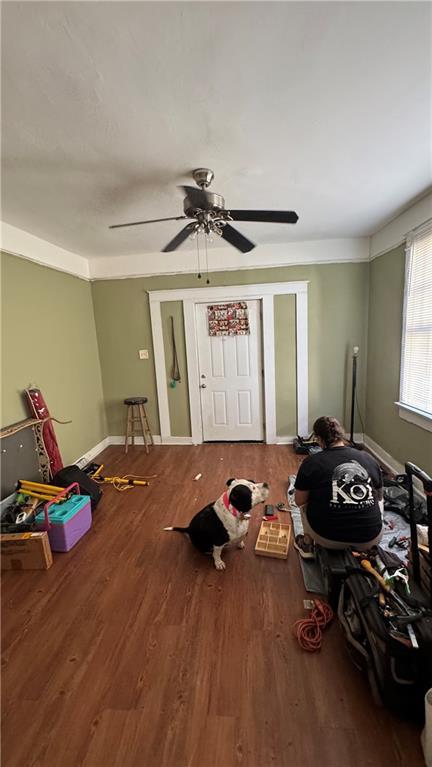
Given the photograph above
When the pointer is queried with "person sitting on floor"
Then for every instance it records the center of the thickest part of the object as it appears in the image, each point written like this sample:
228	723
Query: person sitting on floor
339	491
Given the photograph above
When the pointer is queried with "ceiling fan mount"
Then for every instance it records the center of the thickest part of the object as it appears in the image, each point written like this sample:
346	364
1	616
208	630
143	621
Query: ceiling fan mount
203	177
209	216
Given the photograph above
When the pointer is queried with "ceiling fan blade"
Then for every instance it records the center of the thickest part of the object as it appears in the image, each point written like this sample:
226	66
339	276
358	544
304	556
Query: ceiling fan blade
179	238
197	197
271	216
152	221
235	238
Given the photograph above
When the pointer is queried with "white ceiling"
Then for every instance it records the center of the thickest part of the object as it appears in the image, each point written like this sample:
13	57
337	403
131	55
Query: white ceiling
107	106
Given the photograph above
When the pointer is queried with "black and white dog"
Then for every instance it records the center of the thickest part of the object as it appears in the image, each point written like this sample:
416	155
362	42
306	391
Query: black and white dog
225	521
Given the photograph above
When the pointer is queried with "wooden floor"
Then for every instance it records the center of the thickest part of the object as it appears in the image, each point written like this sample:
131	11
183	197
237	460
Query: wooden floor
133	651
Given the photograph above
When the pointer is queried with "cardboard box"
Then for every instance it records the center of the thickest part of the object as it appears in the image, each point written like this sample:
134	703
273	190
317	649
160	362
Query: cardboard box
25	551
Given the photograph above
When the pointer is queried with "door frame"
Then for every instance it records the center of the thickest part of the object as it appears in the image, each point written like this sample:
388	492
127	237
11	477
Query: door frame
265	293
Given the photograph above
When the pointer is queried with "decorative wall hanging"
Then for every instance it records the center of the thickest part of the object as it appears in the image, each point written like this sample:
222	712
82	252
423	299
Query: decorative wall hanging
175	370
39	410
228	319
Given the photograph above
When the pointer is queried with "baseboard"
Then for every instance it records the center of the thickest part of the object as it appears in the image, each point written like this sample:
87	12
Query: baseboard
391	463
176	441
119	440
383	457
358	439
92	453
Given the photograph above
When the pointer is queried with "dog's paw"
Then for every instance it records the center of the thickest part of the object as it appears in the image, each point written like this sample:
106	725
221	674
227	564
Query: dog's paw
241	545
220	565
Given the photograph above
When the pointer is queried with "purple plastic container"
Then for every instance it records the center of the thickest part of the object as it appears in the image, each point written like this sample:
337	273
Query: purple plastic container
69	521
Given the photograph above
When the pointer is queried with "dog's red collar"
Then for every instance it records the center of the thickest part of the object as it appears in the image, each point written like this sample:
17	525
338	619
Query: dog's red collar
235	512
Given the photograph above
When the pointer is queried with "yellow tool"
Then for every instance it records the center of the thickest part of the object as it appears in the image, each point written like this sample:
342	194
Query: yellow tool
124	481
39	487
120	483
367	566
39	491
33	494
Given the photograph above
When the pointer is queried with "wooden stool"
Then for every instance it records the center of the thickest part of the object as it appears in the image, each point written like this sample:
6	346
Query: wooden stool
137	402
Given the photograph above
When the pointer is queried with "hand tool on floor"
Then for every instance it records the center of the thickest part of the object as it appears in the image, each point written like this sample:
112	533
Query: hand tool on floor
367	566
120	483
403	542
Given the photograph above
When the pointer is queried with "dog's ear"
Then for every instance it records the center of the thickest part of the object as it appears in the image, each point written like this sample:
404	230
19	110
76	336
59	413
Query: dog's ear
230	481
241	498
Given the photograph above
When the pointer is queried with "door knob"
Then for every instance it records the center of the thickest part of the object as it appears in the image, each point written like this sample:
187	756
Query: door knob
203	386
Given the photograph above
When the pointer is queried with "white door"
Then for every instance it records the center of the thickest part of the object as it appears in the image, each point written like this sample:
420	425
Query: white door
230	377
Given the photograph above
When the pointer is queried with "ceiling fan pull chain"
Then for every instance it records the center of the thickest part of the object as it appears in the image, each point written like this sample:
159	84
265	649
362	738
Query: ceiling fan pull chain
206	255
198	257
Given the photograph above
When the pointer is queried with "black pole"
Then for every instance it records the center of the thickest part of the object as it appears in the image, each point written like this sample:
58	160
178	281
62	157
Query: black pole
353	391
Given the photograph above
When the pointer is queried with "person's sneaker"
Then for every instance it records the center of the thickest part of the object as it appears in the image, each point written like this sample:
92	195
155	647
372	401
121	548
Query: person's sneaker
305	546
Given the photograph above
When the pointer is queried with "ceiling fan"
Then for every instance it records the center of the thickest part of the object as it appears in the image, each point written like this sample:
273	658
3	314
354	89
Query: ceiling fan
209	215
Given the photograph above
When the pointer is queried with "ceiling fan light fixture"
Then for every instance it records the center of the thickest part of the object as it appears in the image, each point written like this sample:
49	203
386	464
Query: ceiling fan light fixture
208	216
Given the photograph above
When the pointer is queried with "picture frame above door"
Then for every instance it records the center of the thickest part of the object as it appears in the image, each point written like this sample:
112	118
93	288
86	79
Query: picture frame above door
264	292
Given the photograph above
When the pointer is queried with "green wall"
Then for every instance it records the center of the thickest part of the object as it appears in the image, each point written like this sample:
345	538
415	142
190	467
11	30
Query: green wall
403	440
285	364
178	397
49	339
337	321
80	342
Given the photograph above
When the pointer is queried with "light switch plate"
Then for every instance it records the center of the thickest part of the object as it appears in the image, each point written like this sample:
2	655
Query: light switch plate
143	354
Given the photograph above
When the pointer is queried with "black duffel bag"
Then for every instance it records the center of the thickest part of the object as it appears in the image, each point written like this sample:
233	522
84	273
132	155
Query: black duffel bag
396	499
87	485
398	672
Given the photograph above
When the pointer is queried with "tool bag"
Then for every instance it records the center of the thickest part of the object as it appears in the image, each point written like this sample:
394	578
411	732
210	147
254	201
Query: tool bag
70	474
396	499
306	445
399	675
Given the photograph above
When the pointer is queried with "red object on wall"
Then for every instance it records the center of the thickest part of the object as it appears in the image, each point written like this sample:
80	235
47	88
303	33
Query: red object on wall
39	410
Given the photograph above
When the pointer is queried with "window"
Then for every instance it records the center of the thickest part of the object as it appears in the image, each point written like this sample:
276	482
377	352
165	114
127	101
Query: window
415	400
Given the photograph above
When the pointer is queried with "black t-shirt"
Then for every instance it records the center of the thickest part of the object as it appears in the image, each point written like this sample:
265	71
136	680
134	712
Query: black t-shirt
342	484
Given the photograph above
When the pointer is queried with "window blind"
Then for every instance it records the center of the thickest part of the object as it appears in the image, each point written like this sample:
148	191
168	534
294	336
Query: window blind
416	363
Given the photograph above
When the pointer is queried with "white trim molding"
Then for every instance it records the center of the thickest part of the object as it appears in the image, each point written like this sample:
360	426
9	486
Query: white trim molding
226	259
93	452
383	457
391	463
415	416
157	439
394	233
264	292
16	242
269	367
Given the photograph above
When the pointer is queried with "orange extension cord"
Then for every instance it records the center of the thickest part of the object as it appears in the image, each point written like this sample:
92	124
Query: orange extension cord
309	630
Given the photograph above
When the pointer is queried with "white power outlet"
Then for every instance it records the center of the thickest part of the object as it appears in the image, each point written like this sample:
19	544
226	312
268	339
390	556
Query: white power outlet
143	354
